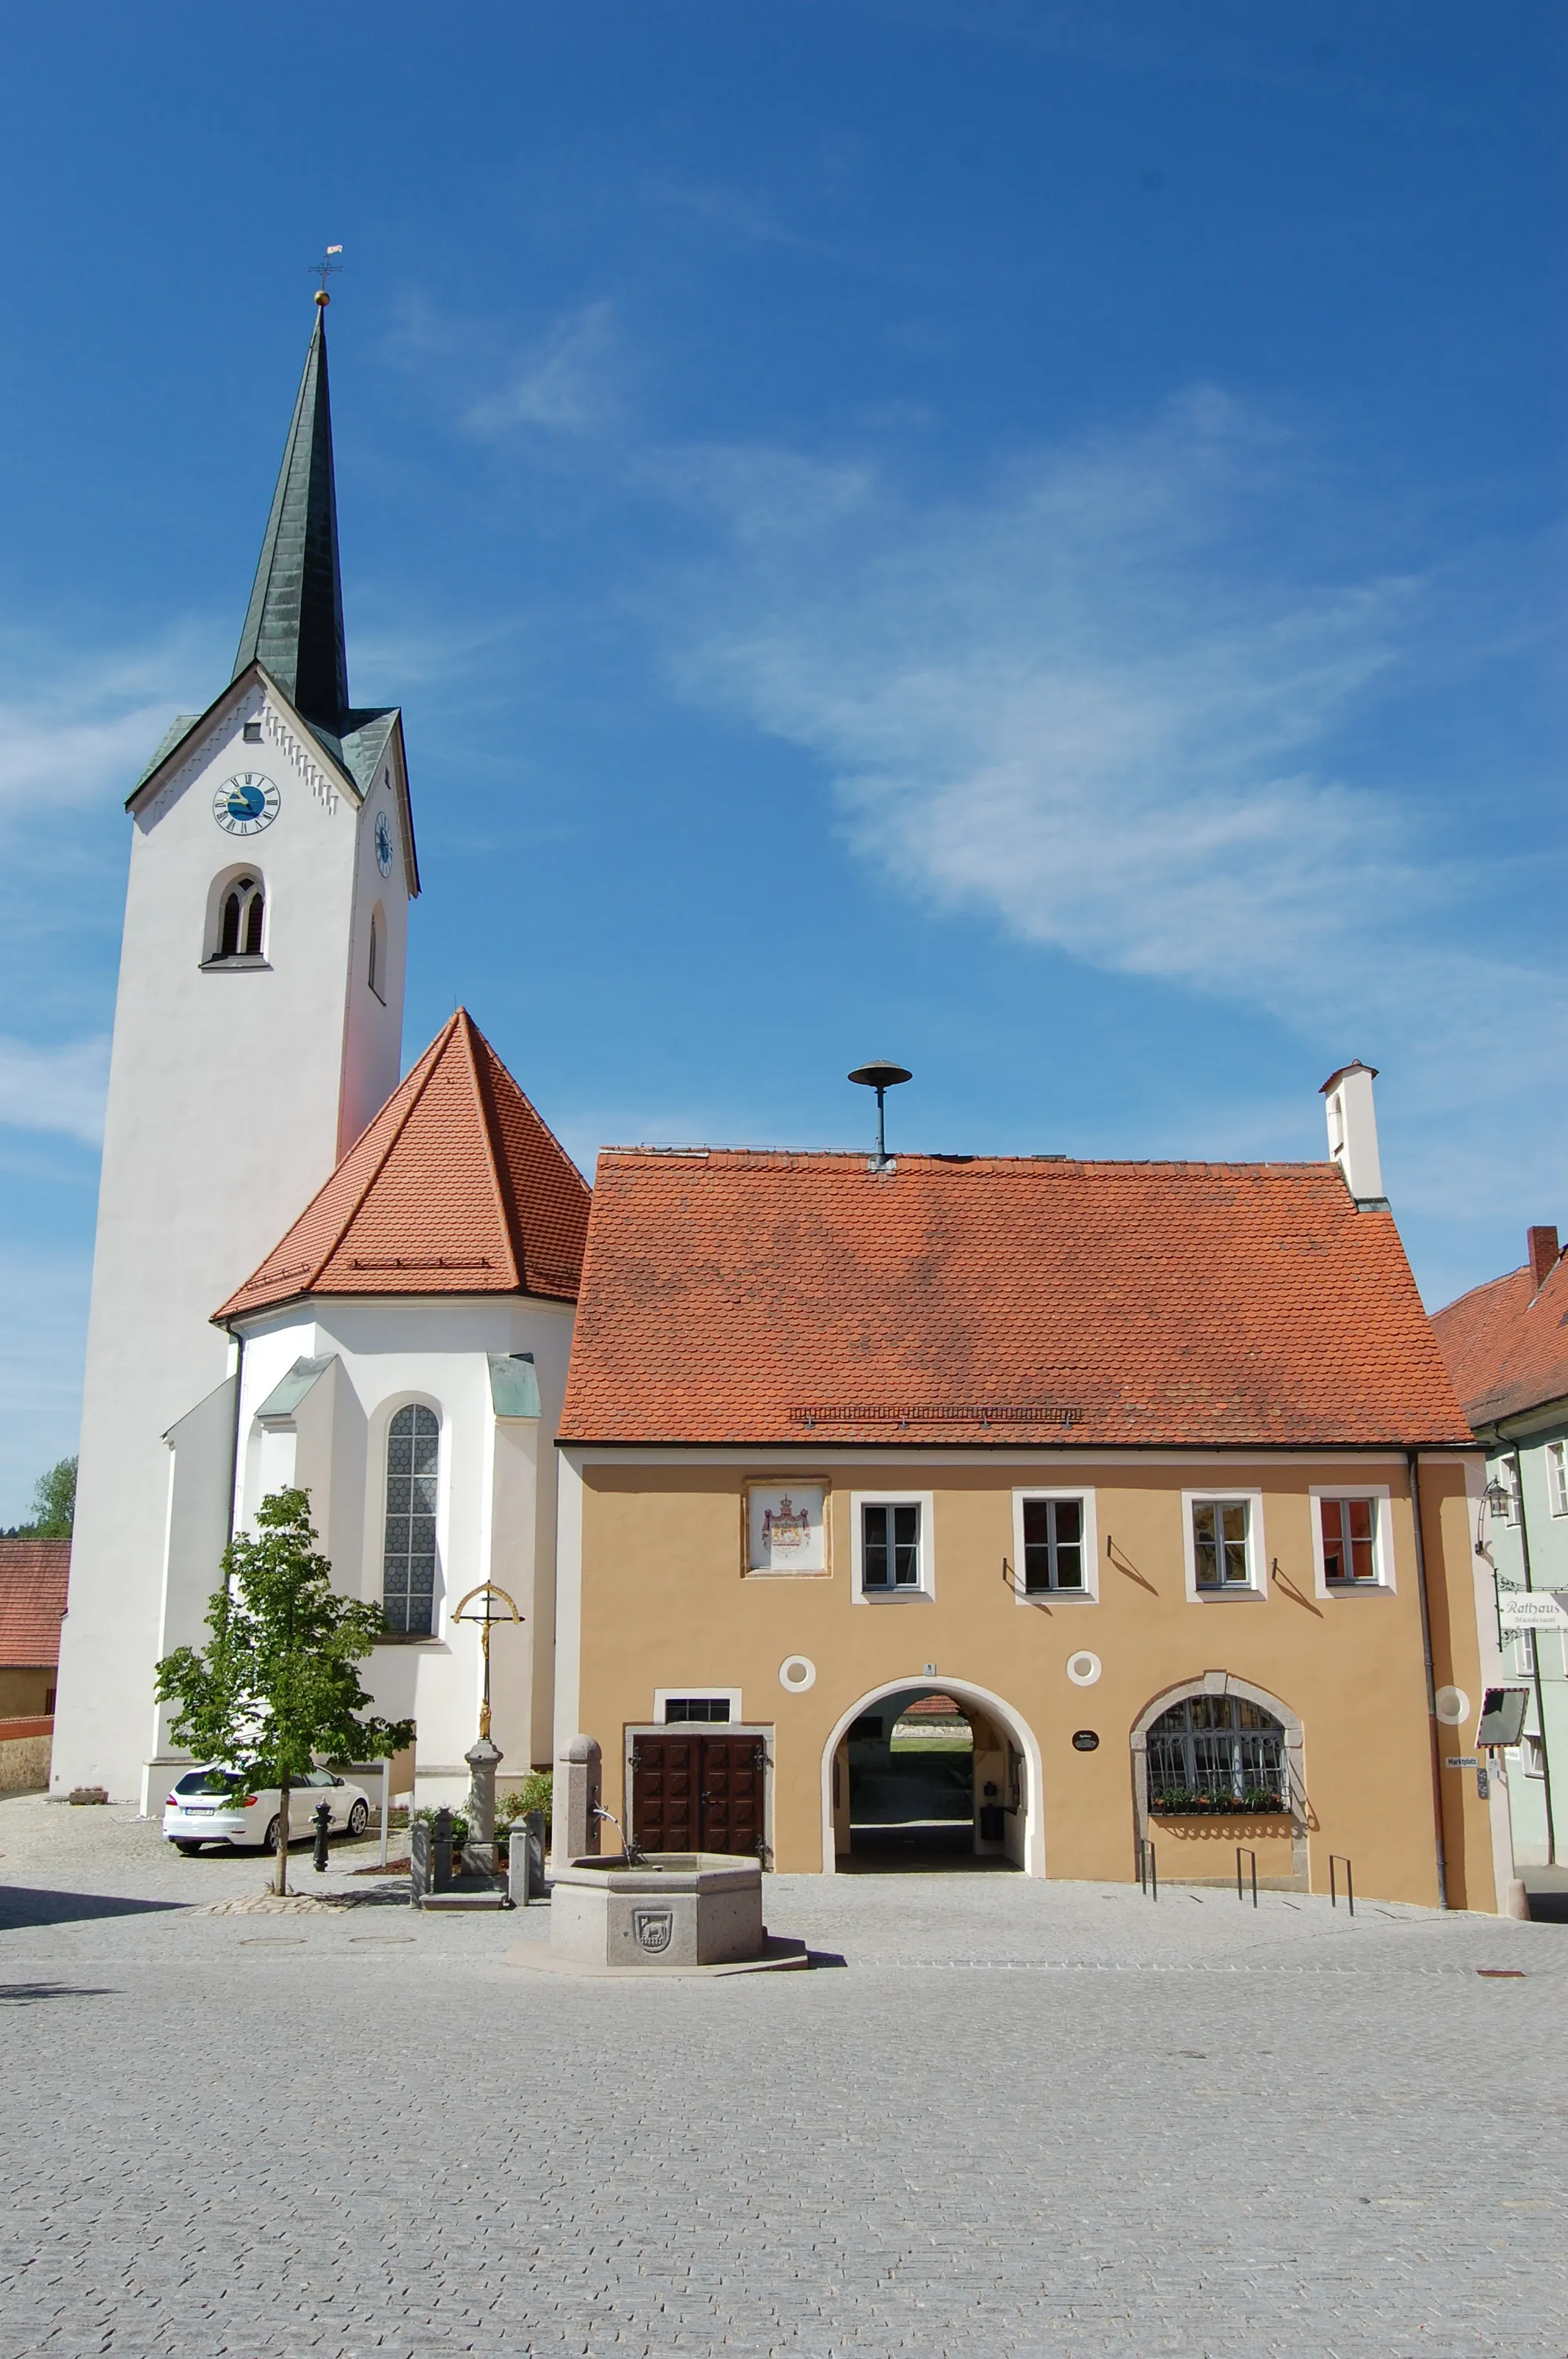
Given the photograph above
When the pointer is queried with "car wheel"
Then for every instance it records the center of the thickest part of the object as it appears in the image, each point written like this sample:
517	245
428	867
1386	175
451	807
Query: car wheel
269	1841
357	1819
189	1849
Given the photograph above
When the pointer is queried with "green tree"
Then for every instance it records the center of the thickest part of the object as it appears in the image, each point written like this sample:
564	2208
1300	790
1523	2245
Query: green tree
276	1688
54	1503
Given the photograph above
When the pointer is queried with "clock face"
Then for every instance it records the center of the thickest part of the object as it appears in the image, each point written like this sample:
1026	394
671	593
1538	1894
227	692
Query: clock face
243	805
384	843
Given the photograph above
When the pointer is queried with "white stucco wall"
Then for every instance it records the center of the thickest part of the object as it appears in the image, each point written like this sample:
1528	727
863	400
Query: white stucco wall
232	1092
496	1501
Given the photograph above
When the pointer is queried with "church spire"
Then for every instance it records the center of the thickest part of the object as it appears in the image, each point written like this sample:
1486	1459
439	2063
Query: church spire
295	621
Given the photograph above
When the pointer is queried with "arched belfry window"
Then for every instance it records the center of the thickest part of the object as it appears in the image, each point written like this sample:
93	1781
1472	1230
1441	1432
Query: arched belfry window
408	1563
378	952
240	919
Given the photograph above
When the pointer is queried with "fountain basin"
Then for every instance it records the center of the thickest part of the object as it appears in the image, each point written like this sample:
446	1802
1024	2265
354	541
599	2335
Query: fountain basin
675	1909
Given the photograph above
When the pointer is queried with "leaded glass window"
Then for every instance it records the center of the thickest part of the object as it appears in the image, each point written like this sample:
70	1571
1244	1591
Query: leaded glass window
408	1565
1216	1753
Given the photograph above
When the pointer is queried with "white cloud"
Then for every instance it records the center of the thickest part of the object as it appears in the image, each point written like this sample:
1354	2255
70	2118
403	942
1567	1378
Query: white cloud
565	384
1102	702
58	1090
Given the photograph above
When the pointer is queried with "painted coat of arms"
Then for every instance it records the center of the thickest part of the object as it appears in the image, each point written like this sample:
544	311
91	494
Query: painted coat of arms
785	1533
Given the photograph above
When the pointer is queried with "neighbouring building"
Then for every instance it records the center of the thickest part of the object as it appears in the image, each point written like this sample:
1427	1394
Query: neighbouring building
1152	1472
1506	1345
33	1576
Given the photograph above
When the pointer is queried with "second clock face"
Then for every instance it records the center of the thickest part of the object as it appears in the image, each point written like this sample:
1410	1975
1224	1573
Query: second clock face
247	803
384	843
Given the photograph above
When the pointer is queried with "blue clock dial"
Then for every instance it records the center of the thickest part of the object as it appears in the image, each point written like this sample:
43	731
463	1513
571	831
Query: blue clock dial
246	804
384	843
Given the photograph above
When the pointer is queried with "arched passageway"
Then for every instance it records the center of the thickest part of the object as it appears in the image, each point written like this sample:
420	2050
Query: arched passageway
931	1775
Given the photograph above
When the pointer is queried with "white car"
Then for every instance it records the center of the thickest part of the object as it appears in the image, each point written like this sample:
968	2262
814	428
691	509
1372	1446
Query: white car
209	1806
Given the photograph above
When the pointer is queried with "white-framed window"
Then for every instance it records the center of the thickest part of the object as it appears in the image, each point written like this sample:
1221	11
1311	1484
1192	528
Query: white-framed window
1222	1533
1352	1543
892	1542
408	1545
1557	1477
1534	1751
1055	1549
673	1706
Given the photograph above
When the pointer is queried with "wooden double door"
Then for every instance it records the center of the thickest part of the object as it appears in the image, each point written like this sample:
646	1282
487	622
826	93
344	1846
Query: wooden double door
700	1790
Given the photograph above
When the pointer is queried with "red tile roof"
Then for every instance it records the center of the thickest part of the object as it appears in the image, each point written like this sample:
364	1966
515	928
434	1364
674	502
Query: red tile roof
770	1298
33	1575
457	1187
1506	1344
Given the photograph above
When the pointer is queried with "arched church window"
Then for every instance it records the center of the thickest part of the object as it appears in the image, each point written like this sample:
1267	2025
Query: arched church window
240	920
1216	1752
408	1563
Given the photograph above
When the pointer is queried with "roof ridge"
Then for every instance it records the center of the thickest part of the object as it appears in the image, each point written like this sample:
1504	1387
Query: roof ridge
468	1033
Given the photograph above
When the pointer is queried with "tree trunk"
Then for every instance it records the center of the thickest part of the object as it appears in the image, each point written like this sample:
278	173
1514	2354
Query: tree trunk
280	1881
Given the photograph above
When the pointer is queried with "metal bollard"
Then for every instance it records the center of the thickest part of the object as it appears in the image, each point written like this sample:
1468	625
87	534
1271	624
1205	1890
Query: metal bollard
323	1825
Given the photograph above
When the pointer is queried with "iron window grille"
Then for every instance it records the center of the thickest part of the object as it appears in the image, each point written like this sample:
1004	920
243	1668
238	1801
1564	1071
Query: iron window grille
1052	1545
1216	1753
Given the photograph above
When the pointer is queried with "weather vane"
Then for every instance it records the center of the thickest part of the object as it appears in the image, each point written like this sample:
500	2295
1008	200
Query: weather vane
324	269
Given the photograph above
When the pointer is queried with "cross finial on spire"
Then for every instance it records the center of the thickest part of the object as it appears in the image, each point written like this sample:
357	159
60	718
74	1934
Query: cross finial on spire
323	271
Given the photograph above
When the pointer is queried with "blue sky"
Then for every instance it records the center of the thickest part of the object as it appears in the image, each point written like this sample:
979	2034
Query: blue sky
1025	538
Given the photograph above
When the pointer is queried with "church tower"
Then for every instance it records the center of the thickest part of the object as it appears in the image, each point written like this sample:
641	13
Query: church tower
257	1031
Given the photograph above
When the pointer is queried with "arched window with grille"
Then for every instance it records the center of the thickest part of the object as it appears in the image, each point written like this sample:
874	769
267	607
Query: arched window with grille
1216	1753
408	1560
240	919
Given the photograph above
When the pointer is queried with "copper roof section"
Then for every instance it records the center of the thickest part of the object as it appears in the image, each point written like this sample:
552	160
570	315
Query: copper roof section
1506	1343
33	1578
771	1298
457	1187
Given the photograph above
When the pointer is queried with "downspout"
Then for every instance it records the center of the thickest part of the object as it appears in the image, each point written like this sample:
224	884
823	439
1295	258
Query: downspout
1535	1657
1413	1464
239	1342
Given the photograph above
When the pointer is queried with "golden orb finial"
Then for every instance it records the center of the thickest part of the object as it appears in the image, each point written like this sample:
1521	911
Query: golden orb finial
321	295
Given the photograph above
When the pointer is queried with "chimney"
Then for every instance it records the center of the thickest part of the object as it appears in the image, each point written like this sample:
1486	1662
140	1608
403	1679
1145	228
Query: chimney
1353	1132
1542	1248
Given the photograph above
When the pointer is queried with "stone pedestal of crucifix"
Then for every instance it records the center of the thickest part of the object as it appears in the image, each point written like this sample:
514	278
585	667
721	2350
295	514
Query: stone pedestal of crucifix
486	1605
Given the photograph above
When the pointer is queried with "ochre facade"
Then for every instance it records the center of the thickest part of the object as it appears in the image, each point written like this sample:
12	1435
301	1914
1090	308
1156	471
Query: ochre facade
664	1603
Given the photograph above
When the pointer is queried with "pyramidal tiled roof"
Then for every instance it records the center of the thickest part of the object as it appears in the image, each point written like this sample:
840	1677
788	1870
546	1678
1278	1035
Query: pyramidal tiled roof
457	1187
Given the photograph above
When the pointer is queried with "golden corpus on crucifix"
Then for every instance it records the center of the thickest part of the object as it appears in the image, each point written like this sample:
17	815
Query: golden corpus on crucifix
489	1604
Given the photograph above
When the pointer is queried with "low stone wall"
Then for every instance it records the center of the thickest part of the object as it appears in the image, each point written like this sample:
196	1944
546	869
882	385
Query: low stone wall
24	1749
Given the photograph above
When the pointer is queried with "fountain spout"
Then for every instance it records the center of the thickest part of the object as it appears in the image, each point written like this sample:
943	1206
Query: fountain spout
629	1850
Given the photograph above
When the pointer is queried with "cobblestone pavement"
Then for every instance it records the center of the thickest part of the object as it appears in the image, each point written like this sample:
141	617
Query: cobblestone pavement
1021	2119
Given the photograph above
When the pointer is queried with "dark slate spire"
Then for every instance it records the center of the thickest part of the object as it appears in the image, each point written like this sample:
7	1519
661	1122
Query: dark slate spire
295	624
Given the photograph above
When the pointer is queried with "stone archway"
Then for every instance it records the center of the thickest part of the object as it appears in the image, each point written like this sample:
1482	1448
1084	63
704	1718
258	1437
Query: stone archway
1002	1715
